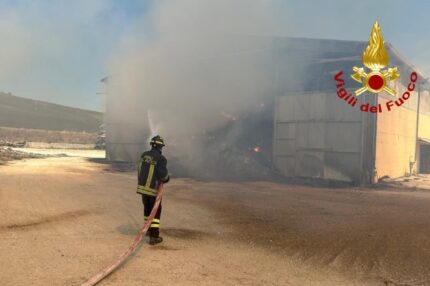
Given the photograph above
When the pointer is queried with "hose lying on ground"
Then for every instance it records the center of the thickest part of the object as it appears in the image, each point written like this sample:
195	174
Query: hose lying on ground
108	270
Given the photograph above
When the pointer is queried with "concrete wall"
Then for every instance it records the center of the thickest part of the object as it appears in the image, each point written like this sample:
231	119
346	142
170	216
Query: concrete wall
318	135
397	133
424	120
424	126
395	141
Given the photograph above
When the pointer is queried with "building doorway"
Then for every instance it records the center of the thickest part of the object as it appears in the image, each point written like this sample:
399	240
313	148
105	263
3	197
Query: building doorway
424	166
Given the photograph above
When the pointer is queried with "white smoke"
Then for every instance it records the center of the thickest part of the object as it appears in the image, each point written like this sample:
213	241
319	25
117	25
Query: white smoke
189	63
154	126
189	67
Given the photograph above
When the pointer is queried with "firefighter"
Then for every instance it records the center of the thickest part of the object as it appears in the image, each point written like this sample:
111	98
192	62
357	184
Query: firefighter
152	170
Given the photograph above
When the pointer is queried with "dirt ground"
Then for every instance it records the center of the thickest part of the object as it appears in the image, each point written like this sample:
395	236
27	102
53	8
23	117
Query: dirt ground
65	218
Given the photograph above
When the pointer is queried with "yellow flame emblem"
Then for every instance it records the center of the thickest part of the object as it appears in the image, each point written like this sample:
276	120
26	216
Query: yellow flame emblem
375	58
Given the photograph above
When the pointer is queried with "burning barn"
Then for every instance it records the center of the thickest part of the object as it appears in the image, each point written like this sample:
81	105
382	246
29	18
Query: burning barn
295	124
317	134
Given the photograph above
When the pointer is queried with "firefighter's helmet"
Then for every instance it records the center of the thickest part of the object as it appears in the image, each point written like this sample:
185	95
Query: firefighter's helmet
157	141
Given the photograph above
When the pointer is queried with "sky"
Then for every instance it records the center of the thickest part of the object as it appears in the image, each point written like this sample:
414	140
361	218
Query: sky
57	51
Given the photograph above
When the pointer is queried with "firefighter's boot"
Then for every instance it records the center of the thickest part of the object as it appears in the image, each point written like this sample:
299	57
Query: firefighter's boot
155	240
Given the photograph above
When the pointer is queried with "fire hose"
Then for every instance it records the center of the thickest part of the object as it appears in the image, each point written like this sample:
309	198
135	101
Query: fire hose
108	270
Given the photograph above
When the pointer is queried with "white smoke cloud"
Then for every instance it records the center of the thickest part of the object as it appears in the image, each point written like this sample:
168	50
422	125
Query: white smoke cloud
194	64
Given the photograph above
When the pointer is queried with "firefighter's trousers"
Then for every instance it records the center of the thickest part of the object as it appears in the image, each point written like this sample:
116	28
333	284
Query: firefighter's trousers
148	204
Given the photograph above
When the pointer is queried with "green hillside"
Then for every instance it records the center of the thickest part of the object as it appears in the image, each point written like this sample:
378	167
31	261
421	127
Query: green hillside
21	112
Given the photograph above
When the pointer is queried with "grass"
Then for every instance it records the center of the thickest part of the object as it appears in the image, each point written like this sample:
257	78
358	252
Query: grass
21	112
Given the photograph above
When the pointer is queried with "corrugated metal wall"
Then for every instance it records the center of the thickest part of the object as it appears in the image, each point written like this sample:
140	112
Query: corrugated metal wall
318	135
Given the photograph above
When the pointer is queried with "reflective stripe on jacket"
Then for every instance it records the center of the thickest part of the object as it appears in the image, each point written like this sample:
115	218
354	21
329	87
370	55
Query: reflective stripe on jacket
152	170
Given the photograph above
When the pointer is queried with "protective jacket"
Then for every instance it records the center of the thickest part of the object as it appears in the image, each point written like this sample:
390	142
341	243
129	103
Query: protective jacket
152	170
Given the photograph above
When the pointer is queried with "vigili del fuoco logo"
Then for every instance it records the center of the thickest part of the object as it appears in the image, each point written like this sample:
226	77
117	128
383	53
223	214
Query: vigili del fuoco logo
373	77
